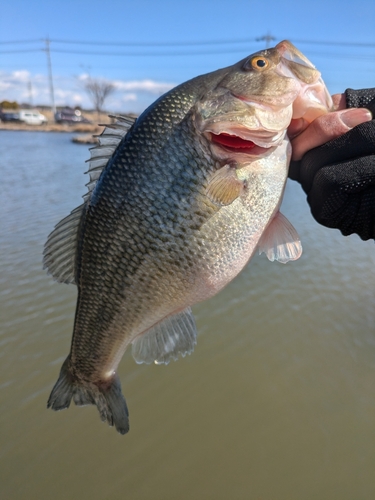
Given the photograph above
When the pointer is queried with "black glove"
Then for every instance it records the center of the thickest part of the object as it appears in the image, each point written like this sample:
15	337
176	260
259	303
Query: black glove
339	176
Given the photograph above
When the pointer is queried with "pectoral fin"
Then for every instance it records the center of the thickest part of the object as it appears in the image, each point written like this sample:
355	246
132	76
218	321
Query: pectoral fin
280	241
224	186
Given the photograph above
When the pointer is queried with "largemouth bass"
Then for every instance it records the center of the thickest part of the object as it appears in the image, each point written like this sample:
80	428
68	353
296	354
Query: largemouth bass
177	204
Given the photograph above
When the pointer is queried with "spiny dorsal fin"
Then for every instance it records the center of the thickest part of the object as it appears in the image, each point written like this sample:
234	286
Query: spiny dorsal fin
60	250
174	335
109	139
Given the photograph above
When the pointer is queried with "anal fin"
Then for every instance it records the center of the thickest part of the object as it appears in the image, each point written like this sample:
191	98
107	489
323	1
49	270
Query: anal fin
175	335
280	241
60	250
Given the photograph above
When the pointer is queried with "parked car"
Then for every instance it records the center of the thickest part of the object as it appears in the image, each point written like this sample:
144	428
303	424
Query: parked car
9	116
31	117
70	116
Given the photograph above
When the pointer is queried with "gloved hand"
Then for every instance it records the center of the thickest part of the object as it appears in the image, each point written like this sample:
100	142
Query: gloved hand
339	176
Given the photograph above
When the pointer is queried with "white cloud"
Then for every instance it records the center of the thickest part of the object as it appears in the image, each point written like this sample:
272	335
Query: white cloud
14	78
62	94
77	98
130	95
39	78
144	86
83	77
21	76
4	86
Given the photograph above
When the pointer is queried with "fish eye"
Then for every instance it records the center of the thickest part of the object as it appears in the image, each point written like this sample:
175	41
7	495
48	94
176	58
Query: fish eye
258	63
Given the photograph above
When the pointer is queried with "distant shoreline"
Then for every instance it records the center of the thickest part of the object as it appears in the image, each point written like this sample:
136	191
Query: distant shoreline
79	128
84	131
92	128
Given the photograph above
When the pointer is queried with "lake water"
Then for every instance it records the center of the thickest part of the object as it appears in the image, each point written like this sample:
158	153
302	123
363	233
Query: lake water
277	401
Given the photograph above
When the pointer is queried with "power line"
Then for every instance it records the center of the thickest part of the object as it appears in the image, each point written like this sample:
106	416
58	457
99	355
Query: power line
341	44
156	44
22	41
152	54
268	38
19	51
243	51
132	54
140	44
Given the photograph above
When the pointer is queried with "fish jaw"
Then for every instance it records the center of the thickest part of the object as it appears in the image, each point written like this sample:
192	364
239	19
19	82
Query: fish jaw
312	101
255	128
247	136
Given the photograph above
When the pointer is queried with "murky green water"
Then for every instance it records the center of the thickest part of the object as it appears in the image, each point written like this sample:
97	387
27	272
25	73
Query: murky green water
277	402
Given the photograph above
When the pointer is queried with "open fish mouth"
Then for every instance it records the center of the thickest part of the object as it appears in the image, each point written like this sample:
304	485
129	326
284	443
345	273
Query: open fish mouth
240	140
235	143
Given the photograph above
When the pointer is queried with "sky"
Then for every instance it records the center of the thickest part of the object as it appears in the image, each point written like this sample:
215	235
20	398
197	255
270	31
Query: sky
146	47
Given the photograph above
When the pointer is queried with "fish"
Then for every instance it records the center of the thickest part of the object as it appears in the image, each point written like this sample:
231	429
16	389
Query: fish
178	202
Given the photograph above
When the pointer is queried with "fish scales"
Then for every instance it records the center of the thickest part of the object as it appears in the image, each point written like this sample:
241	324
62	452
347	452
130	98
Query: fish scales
184	200
128	189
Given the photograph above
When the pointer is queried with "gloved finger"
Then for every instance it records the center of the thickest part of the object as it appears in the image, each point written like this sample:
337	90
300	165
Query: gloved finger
363	98
343	196
356	143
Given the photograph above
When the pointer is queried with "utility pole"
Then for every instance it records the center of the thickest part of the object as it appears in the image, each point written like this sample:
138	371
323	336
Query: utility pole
266	38
30	89
48	52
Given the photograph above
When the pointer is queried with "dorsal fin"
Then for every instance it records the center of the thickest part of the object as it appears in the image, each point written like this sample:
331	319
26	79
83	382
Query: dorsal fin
60	250
109	139
174	335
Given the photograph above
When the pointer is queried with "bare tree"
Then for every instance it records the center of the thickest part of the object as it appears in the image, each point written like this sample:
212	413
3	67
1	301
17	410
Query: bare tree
98	91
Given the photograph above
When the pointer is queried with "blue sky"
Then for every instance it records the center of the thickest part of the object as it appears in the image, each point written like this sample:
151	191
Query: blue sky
167	42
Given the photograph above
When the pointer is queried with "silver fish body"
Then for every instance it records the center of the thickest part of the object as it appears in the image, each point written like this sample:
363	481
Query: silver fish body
176	208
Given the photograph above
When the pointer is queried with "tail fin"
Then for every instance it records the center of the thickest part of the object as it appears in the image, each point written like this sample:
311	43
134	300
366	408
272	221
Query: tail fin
107	397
